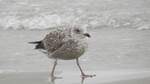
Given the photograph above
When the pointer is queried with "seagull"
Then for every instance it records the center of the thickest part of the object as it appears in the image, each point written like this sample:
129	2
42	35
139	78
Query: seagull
65	43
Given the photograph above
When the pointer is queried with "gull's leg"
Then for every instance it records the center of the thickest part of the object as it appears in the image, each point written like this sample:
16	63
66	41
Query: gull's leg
54	66
82	73
52	76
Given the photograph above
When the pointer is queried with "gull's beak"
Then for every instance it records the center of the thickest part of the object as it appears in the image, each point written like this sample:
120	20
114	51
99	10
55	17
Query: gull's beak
87	35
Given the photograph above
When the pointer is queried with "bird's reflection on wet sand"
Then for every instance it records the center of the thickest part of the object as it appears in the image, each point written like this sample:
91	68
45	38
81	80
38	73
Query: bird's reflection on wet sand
52	80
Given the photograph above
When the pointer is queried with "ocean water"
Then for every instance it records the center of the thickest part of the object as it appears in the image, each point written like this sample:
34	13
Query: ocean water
37	14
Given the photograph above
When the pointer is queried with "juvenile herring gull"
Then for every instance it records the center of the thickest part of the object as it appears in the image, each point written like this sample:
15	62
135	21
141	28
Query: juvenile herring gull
65	42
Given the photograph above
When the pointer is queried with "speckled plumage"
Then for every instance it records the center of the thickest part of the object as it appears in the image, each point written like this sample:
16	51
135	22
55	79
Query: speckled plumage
61	44
65	42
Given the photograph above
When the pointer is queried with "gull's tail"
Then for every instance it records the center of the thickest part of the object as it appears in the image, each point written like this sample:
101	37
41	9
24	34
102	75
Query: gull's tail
39	44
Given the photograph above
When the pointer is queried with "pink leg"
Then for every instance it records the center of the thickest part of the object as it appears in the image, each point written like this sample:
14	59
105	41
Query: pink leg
82	73
54	66
53	77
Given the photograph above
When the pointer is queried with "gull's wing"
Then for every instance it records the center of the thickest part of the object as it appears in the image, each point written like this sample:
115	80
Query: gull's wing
53	40
69	50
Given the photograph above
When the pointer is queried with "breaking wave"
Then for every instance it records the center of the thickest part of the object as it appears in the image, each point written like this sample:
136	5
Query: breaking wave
49	14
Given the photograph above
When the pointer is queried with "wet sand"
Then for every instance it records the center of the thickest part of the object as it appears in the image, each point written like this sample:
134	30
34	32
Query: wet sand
108	49
132	81
116	56
103	77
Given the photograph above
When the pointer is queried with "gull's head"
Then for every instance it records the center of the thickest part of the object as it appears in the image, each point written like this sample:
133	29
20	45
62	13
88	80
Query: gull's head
80	33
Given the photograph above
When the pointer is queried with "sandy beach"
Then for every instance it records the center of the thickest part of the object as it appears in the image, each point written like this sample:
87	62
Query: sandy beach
103	77
116	56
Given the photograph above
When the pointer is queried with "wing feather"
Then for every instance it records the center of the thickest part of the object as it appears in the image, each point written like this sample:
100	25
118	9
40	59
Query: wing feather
53	40
69	50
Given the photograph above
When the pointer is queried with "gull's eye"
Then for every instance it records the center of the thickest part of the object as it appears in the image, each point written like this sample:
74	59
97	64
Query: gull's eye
77	31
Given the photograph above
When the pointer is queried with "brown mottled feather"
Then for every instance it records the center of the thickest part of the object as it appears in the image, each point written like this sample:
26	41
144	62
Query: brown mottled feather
71	49
54	40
